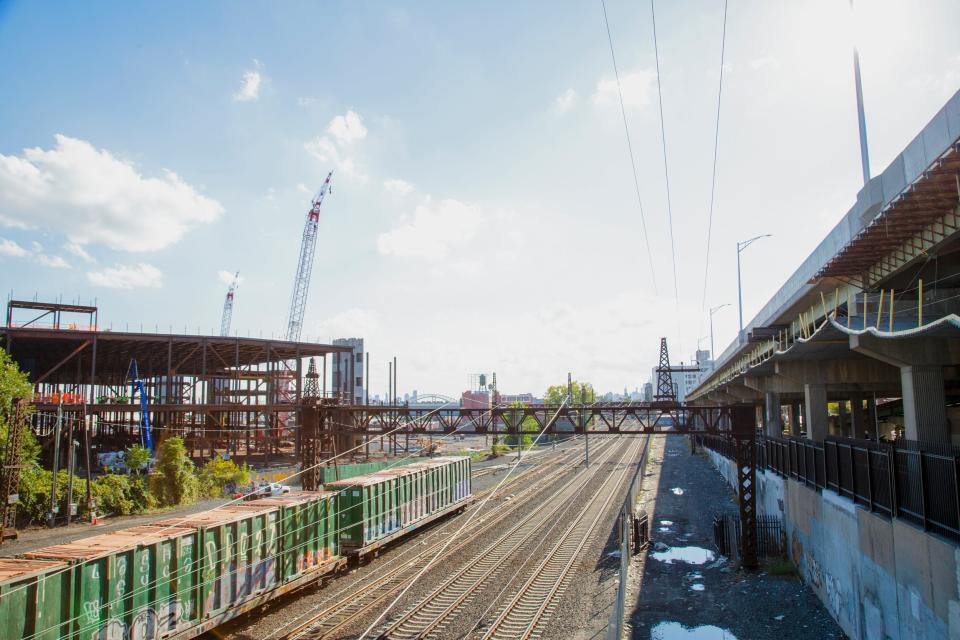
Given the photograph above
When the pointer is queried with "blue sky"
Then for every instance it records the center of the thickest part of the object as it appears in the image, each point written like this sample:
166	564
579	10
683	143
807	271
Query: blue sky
483	215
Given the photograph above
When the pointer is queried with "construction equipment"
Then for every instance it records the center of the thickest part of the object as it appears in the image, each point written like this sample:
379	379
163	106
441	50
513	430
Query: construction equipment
301	283
228	306
136	384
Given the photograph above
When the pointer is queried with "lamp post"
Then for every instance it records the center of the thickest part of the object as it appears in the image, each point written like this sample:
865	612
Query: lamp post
713	354
741	245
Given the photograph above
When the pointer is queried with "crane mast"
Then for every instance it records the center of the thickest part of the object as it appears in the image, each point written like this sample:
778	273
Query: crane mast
228	306
301	283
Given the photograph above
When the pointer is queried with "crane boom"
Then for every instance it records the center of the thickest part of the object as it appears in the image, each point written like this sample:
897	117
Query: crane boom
301	283
228	306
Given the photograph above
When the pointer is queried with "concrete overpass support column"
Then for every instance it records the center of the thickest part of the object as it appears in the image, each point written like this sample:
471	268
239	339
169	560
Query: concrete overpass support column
773	423
842	429
815	411
924	403
872	421
858	417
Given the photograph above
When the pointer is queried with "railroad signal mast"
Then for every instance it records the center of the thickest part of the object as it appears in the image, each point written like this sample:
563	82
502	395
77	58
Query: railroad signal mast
228	306
301	283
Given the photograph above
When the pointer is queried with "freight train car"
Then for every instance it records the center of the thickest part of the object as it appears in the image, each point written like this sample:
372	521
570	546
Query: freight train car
182	576
380	507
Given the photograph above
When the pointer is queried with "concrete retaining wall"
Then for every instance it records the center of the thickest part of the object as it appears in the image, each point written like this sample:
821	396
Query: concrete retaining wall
879	578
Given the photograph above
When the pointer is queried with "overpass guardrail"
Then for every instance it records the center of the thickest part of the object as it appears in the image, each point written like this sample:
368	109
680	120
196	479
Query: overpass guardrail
918	482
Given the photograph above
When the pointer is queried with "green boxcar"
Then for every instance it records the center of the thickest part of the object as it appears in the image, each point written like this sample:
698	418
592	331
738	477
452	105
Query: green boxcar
34	599
129	583
238	554
307	531
377	505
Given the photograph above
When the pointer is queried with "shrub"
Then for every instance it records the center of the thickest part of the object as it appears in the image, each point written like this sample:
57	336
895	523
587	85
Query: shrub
219	474
174	482
136	458
121	495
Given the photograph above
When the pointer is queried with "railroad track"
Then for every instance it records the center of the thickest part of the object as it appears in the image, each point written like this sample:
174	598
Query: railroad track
347	607
538	597
434	611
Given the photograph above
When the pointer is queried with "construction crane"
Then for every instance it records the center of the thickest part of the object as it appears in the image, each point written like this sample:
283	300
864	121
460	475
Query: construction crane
301	284
228	306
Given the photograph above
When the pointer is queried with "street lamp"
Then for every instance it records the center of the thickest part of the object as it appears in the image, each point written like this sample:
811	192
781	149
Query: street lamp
713	354
741	245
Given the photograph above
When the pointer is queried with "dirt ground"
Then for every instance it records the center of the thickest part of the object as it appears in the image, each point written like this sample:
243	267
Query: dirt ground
681	588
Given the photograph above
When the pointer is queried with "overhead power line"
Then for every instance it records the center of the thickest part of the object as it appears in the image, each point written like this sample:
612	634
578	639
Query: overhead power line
633	162
716	145
666	171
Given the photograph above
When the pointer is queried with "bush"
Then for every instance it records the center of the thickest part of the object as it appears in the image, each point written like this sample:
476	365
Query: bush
121	495
174	482
220	474
136	458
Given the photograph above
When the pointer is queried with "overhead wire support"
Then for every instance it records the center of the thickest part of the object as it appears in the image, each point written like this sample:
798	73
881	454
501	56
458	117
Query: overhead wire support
716	146
666	171
633	162
301	283
227	317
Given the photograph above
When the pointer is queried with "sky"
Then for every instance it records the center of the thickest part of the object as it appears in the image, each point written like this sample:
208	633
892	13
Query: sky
483	215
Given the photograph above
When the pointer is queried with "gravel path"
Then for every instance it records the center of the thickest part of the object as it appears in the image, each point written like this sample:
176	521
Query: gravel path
682	493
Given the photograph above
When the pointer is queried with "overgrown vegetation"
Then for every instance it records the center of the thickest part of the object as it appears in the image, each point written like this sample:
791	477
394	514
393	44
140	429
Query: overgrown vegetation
175	482
219	476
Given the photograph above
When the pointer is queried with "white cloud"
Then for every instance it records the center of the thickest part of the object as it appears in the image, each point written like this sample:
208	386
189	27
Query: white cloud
565	101
54	262
432	231
398	186
346	324
127	276
35	253
637	87
226	277
94	197
302	188
12	249
765	62
78	251
250	85
347	128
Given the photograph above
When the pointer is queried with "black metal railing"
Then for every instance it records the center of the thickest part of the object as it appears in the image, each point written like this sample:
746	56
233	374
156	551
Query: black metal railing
770	539
914	481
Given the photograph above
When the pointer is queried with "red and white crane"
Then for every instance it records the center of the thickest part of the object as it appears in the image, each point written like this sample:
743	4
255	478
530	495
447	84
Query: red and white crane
228	306
301	283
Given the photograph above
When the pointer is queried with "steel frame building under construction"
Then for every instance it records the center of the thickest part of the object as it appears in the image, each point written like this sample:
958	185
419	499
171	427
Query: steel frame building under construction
233	395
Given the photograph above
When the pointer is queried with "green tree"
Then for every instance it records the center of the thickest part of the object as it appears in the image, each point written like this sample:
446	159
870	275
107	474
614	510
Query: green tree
15	384
582	391
174	482
137	458
218	473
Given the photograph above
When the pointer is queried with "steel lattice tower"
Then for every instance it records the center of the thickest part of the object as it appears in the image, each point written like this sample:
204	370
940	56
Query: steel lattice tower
301	283
665	389
311	388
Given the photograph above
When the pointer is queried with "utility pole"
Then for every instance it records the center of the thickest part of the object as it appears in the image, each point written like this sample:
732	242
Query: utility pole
56	463
861	118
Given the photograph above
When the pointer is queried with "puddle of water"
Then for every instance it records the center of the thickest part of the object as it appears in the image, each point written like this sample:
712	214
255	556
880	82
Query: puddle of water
689	555
677	491
697	586
676	631
666	523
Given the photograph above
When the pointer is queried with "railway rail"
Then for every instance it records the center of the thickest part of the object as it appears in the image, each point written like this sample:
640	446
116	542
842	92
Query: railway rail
350	606
434	611
538	597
